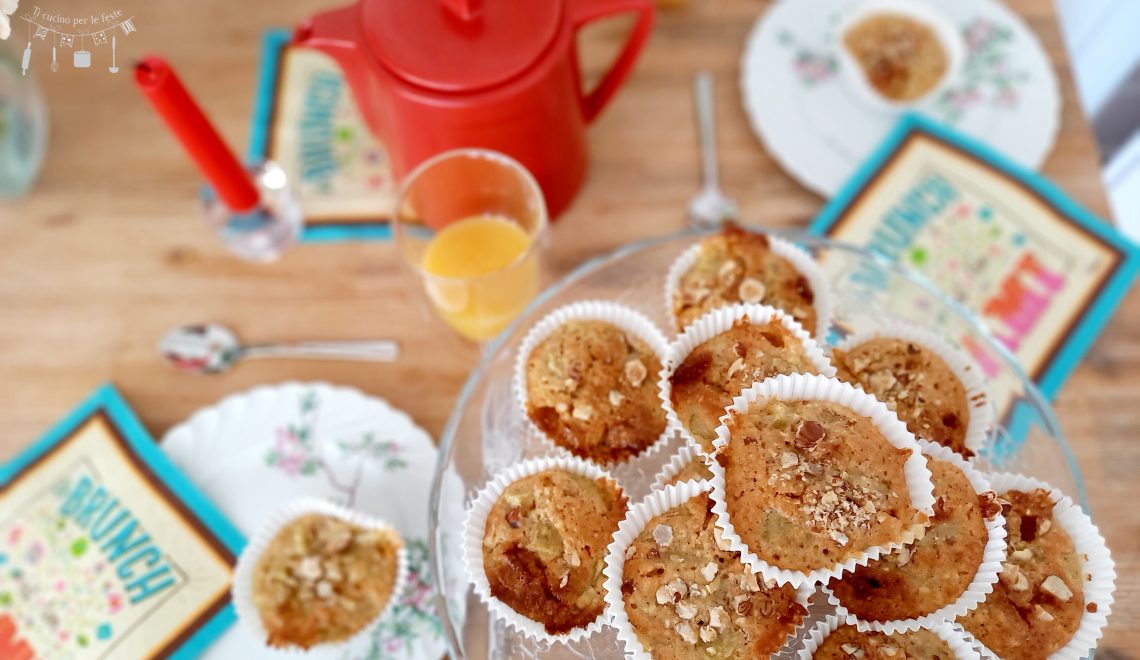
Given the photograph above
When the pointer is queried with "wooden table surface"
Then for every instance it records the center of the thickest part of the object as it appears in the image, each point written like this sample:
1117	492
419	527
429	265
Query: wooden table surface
108	252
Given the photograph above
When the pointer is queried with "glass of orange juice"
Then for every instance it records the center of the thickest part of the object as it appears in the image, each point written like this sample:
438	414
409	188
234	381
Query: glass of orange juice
469	222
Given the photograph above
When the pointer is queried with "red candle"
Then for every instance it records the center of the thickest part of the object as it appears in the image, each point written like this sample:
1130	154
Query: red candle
198	136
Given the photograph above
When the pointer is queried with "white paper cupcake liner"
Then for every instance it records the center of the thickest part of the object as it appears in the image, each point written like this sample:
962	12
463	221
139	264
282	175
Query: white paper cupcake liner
714	323
954	638
985	577
242	589
1096	563
799	258
629	320
657	502
802	387
473	531
977	400
682	458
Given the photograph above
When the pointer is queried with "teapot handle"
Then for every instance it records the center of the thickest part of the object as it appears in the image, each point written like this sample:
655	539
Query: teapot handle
587	11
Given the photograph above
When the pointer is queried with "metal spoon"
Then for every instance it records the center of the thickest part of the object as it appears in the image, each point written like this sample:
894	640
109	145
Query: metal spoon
212	348
710	207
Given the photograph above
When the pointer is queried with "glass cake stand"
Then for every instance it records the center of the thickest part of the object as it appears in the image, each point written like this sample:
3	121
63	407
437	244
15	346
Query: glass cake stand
486	431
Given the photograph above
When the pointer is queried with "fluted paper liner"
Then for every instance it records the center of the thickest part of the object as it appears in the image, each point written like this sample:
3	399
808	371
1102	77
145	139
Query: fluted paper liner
985	577
954	638
626	318
682	458
977	400
802	387
802	261
1096	564
657	502
473	531
714	323
242	589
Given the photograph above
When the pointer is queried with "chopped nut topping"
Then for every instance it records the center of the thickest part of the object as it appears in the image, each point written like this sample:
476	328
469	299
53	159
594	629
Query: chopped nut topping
789	459
727	273
570	384
571	557
708	634
514	518
751	290
889	650
838	537
1042	614
740	349
718	618
635	372
988	502
1009	573
583	412
1024	554
736	367
663	534
882	381
685	611
748	582
325	590
309	569
903	555
709	571
1057	587
686	632
1044	527
561	408
616	398
565	580
630	552
664	594
849	649
809	434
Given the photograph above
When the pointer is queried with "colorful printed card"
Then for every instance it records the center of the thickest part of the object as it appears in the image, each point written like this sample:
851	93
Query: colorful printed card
106	550
1043	273
307	122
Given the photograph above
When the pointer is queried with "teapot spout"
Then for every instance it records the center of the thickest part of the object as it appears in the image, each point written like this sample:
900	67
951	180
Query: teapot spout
337	33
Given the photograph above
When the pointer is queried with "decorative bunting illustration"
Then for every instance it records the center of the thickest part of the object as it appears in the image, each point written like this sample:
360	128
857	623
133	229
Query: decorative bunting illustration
128	26
100	38
82	58
66	40
41	32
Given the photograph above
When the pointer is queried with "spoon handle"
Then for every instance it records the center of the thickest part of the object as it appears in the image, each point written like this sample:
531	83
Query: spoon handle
383	350
706	125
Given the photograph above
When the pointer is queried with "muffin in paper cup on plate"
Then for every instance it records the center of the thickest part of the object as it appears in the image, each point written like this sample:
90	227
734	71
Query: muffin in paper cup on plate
813	477
1058	571
317	576
741	266
934	388
941	576
831	639
722	353
535	539
674	590
586	379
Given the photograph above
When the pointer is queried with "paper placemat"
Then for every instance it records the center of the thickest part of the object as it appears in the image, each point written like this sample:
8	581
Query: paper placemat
106	549
306	121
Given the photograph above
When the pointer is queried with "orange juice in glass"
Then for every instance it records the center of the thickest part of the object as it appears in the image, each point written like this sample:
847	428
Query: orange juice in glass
469	222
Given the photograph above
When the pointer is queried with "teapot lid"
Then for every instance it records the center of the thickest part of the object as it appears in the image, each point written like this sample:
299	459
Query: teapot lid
459	45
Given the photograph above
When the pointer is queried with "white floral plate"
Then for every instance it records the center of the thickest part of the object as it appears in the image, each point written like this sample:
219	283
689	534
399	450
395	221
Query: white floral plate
254	451
815	125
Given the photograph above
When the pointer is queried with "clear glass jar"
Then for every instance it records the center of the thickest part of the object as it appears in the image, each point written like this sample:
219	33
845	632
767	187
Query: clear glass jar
23	123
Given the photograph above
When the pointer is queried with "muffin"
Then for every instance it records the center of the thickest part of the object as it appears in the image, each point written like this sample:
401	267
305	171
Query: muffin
705	381
809	483
544	544
591	389
738	266
846	643
685	597
915	382
901	58
322	579
935	571
1037	604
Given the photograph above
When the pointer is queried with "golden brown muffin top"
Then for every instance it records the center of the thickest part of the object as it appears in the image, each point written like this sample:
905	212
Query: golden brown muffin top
694	470
914	382
738	266
933	572
544	544
720	368
688	598
847	643
322	579
809	484
902	58
592	389
1037	604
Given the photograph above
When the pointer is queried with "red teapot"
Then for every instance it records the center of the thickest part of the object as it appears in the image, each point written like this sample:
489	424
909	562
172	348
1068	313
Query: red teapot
433	75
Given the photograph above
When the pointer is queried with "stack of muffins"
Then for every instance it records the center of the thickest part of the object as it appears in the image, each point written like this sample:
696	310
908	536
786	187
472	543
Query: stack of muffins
824	501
